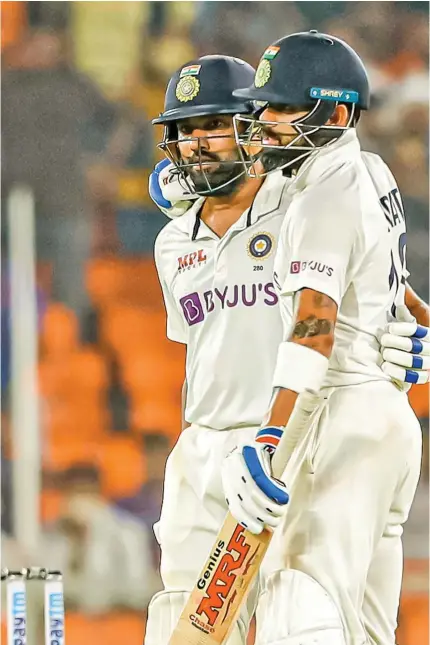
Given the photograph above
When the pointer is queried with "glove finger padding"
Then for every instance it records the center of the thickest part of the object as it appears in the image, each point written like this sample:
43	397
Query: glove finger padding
404	375
406	359
253	502
412	344
247	502
408	329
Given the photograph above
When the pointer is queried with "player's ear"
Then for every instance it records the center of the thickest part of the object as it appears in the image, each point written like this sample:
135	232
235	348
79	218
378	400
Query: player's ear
340	116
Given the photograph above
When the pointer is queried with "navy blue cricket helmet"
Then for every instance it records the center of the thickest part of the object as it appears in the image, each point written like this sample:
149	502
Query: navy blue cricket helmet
311	71
204	87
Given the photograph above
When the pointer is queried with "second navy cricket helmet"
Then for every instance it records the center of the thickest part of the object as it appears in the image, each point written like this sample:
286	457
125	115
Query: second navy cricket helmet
204	87
312	72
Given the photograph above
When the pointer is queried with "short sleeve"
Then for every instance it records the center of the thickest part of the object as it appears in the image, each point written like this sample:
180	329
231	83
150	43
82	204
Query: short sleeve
176	328
318	245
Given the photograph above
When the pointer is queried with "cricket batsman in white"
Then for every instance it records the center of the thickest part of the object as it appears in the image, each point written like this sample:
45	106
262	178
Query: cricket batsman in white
215	263
333	572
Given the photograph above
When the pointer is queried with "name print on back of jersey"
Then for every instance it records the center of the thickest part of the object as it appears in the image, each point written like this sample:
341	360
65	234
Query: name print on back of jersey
197	306
392	207
394	214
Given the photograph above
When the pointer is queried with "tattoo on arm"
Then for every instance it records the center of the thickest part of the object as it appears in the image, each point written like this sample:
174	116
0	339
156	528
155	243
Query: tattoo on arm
316	324
312	326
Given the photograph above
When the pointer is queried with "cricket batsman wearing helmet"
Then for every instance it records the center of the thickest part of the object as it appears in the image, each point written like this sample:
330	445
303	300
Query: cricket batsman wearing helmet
215	263
335	563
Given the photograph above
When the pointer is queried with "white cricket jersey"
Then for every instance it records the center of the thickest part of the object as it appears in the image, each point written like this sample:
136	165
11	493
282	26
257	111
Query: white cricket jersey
221	302
344	235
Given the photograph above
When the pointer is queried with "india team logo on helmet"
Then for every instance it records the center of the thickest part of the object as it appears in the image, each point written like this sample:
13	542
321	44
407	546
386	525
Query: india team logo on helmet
264	70
187	88
263	73
260	246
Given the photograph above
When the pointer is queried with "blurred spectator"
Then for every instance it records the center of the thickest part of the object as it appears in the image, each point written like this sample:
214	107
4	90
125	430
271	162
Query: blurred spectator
215	29
51	119
106	41
146	503
104	554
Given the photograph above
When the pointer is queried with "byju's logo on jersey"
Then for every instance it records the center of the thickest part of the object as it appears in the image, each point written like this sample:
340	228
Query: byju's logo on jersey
261	245
192	308
191	260
196	307
300	267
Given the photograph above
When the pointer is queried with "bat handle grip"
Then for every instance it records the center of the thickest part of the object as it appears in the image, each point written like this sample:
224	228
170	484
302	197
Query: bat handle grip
297	425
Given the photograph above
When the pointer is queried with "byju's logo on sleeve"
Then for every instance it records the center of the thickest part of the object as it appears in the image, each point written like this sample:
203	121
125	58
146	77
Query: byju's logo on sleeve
311	266
192	308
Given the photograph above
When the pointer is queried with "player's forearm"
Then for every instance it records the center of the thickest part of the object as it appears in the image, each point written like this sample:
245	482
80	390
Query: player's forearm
314	331
282	407
315	321
418	308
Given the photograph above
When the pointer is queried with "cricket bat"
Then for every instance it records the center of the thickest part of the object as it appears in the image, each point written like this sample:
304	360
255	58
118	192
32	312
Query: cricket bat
235	558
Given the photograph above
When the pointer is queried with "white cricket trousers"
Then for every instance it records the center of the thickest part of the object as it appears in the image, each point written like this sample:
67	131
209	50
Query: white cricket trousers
193	511
344	520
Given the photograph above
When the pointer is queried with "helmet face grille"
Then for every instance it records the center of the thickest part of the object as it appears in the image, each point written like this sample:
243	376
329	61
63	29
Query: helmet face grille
310	133
223	181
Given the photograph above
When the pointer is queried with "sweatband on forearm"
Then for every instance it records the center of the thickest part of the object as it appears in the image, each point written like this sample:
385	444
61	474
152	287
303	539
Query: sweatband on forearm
299	368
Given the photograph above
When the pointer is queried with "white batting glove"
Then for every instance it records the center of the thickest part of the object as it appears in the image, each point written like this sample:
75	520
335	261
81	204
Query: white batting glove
254	497
169	191
405	348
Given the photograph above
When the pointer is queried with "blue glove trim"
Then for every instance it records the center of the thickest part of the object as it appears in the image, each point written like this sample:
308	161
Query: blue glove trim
417	363
161	165
411	377
421	332
417	346
264	483
154	185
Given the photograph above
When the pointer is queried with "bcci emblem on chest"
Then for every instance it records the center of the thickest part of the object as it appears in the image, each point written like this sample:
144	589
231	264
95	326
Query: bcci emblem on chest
260	246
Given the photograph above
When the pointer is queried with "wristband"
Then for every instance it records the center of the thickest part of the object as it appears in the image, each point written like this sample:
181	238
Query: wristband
299	368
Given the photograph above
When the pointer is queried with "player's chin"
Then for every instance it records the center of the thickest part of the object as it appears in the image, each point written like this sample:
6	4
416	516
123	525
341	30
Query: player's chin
223	182
206	168
273	159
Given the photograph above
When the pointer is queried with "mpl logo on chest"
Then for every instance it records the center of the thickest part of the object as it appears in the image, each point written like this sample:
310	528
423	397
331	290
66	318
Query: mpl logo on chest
192	260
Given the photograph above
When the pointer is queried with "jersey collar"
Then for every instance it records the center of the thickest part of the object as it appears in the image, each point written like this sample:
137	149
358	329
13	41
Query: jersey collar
344	149
266	201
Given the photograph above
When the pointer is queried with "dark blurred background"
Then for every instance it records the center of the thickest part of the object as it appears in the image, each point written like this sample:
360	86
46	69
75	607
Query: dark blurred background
80	83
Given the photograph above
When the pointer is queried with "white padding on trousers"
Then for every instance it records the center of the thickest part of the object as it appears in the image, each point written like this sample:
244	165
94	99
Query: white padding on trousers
163	614
295	610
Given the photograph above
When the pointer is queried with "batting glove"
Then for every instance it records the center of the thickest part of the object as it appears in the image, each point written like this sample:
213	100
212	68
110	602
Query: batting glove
406	352
254	497
169	191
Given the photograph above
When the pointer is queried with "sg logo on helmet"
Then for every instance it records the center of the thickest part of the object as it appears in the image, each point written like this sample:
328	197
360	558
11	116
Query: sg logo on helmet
263	73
